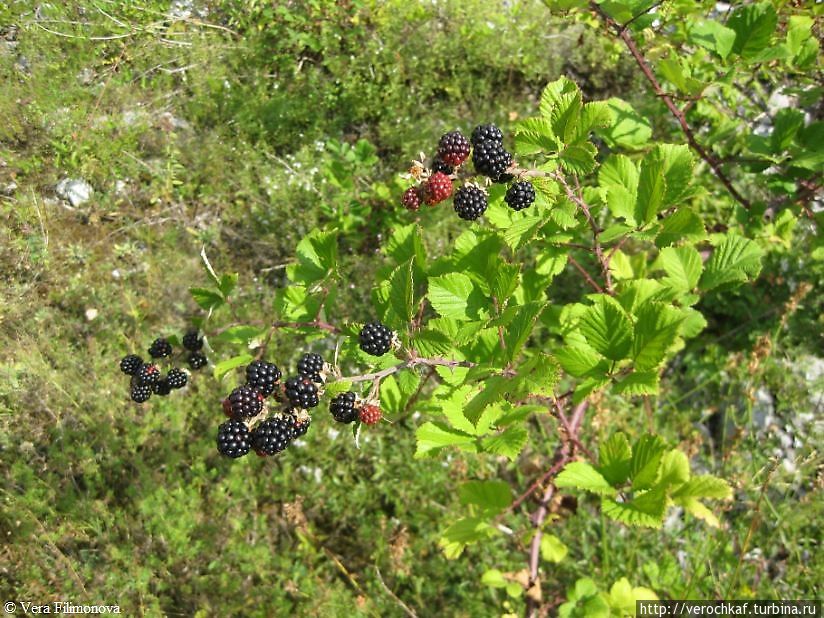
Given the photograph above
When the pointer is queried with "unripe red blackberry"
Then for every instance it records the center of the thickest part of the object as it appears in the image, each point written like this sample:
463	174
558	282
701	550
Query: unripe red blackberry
141	392
470	203
177	378
437	188
130	364
520	195
243	402
262	376
453	148
272	436
160	348
311	365
486	133
233	439
411	199
197	360
192	341
375	339
147	374
302	392
370	414
343	408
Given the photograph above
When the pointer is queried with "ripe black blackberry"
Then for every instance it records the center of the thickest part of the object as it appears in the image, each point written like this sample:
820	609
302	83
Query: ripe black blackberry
177	378
492	160
141	392
160	348
375	339
147	374
470	203
440	166
453	148
520	195
310	365
486	133
191	341
272	435
243	402
162	387
299	427
233	439
343	409
197	360
262	376
130	364
302	392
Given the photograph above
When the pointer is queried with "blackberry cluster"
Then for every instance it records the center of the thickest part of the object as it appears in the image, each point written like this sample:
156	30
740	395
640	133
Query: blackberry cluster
234	439
470	202
147	378
343	407
520	195
375	339
243	403
311	366
263	377
302	392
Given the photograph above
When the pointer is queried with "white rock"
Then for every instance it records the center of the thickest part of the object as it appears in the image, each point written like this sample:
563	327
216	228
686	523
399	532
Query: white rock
74	190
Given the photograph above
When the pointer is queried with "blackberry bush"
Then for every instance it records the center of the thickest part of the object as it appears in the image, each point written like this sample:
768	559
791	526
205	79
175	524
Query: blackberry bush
234	439
375	339
470	202
263	377
243	403
302	392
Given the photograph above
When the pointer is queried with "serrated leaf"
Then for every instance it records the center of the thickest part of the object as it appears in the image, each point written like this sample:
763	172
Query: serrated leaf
581	475
754	25
552	549
535	136
538	376
401	286
317	256
607	328
656	328
430	342
241	334
225	366
697	509
638	383
734	260
454	296
406	242
578	359
509	443
519	330
705	486
432	437
565	116
651	189
206	298
618	176
615	459
713	36
492	496
494	389
683	266
644	510
646	457
462	533
629	129
683	224
336	388
553	94
579	157
674	469
504	280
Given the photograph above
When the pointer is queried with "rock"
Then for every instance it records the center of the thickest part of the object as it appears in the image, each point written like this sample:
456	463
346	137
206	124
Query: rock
75	191
8	189
85	77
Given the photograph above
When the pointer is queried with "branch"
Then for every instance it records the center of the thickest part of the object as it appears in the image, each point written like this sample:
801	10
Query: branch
408	364
714	163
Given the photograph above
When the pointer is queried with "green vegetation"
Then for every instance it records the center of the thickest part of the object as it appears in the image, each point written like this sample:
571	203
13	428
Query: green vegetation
273	138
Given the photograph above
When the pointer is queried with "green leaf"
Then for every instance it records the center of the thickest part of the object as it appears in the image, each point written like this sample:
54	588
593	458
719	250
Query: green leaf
565	116
317	255
678	167
406	242
786	124
508	443
504	281
697	509
618	176
629	129
340	386
579	157
646	457
578	359
535	136
538	376
683	266
492	496
552	549
705	486
554	93
227	284
607	328
493	390
239	334
683	224
462	533
639	383
754	25
713	36
581	475
432	437
454	296
517	333
656	328
734	260
674	470
645	510
651	189
401	286
225	366
615	459
206	298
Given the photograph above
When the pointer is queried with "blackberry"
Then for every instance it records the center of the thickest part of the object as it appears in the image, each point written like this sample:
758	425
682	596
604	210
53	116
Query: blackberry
299	427
243	402
233	439
197	360
302	392
411	199
343	409
437	188
160	348
130	364
177	378
141	393
491	160
453	148
375	339
370	415
439	166
262	376
486	133
191	341
162	387
272	436
147	374
520	195
310	365
470	203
